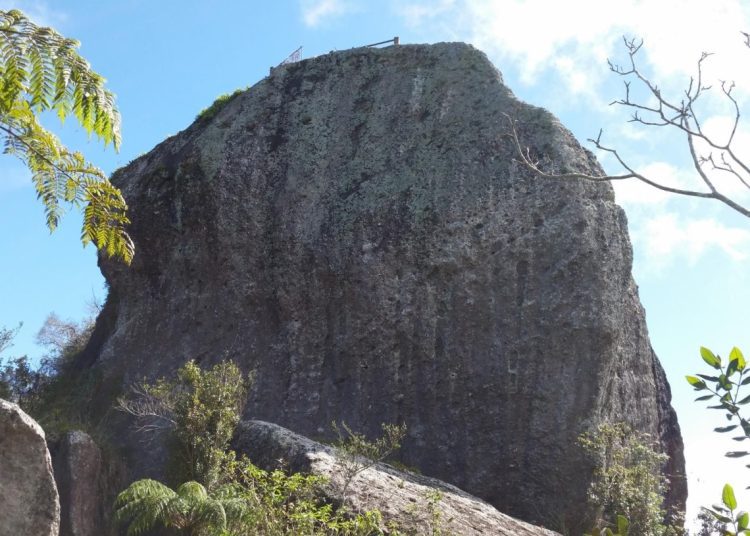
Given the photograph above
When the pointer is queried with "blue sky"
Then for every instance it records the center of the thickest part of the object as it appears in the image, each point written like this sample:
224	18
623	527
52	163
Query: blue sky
166	60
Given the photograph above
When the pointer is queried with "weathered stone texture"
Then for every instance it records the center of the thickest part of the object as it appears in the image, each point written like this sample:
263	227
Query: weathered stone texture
399	496
355	228
28	497
77	461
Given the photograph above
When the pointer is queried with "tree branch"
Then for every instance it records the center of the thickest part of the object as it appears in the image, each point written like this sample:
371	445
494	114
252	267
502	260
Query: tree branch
665	113
533	166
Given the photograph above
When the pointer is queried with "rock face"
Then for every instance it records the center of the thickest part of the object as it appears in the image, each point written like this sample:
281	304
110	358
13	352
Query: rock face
355	229
28	496
400	497
77	461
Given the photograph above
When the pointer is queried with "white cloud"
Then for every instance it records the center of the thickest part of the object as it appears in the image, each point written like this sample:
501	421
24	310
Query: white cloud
574	39
634	192
314	12
668	238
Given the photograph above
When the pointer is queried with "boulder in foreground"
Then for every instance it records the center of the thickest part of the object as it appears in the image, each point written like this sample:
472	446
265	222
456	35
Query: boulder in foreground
29	504
424	505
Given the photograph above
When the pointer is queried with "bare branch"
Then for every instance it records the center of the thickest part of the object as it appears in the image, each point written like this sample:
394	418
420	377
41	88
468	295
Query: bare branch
152	413
525	159
662	112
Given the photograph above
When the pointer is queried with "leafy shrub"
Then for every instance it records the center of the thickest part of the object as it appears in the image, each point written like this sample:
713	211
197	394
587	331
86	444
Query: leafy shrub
222	496
355	452
628	481
58	393
253	502
217	105
199	410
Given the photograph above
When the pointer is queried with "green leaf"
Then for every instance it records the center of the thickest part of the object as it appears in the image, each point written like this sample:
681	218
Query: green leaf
720	517
736	355
622	525
724	382
723	429
736	454
709	357
704	398
743	520
697	383
727	497
708	377
40	70
744	400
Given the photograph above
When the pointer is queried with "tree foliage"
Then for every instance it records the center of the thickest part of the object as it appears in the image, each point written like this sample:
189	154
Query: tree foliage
53	389
190	508
199	410
40	71
723	386
223	495
628	482
355	453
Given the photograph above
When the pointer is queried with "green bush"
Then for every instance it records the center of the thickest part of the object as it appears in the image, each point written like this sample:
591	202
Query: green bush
58	392
628	481
217	105
200	411
355	452
218	494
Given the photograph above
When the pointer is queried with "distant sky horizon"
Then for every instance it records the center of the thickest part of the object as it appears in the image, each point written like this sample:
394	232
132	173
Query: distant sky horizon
167	60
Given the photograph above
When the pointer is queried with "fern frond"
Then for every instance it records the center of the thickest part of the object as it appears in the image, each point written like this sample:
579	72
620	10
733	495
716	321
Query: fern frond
143	505
41	70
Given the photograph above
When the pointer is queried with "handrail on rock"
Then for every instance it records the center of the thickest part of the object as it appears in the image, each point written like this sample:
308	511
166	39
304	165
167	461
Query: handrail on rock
395	41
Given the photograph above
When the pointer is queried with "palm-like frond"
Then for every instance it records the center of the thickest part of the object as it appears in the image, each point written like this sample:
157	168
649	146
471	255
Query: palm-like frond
146	504
41	70
143	505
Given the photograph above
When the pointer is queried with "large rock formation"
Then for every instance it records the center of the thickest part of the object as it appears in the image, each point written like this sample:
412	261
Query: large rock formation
416	503
28	497
355	228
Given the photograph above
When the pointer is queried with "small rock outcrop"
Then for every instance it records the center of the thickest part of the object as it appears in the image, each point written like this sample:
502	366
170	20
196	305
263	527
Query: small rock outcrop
401	497
28	496
356	229
77	461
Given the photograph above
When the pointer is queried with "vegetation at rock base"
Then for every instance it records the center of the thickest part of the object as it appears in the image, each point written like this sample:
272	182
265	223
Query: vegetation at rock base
57	393
628	480
224	494
40	71
199	410
355	452
628	484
